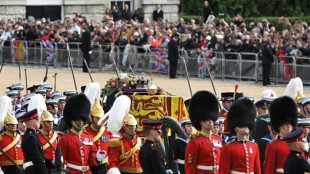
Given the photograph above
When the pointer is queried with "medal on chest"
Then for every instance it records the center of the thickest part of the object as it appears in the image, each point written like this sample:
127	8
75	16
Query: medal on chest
105	138
19	143
87	141
251	150
217	143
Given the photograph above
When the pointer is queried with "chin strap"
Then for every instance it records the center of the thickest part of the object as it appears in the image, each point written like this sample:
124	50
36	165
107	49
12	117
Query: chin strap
205	126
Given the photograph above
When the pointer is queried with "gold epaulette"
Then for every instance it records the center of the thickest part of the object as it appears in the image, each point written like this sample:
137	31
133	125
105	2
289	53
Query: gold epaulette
114	143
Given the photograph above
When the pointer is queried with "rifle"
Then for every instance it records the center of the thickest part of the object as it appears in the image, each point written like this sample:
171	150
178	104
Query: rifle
26	81
208	68
187	77
88	70
55	81
71	66
57	154
15	164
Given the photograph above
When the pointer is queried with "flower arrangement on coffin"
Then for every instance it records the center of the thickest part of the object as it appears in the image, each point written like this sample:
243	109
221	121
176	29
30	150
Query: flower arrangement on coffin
115	85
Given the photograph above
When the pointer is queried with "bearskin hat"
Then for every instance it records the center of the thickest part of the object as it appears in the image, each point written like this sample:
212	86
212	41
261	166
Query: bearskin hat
77	107
241	114
283	110
203	106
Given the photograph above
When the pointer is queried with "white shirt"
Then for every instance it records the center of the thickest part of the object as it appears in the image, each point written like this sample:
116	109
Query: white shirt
5	35
76	28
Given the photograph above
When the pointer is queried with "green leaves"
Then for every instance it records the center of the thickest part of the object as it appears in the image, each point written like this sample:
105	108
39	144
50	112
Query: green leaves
249	8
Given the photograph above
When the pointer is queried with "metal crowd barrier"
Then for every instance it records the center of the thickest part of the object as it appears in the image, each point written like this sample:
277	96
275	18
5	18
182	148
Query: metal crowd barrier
223	65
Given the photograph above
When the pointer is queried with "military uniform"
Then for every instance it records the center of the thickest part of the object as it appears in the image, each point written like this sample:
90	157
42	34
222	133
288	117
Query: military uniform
203	154
101	135
124	154
179	146
78	148
295	163
10	143
32	148
283	110
48	133
101	141
151	158
240	155
262	143
78	151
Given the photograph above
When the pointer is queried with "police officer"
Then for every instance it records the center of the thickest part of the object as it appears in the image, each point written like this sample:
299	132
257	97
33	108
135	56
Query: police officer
78	148
179	145
295	163
10	140
46	132
240	155
151	159
202	153
283	116
31	145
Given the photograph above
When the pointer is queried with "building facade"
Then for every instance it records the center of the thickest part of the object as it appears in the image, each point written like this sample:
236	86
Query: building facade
92	9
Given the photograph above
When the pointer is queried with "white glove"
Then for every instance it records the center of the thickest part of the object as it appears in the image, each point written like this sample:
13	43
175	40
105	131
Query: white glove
53	161
113	170
169	171
100	155
90	52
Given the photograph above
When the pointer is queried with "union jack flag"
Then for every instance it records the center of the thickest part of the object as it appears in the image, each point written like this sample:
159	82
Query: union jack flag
158	60
50	51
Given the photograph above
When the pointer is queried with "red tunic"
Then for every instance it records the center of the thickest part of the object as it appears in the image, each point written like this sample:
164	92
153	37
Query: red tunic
121	146
275	155
224	114
240	157
78	150
102	143
49	152
14	152
202	151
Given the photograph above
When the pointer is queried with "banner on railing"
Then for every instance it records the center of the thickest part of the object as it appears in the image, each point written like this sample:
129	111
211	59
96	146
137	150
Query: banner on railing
203	56
19	50
50	51
158	60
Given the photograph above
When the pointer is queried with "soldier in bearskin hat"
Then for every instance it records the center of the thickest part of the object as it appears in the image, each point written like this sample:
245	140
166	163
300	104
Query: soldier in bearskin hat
283	116
202	153
78	148
241	155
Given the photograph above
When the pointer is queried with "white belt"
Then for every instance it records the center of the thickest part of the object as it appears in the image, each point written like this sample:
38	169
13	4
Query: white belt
80	168
180	161
236	172
280	170
27	164
210	168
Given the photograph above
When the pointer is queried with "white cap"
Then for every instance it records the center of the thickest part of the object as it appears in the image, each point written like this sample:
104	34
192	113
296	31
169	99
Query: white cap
208	37
267	93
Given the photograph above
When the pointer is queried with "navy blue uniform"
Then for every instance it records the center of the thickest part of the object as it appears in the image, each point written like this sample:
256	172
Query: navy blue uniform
151	160
296	164
33	151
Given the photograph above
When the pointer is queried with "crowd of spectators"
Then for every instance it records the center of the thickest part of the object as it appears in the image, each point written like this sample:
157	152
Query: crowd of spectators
122	27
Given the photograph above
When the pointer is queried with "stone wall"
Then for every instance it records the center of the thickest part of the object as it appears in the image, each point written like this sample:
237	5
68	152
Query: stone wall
170	8
92	9
12	11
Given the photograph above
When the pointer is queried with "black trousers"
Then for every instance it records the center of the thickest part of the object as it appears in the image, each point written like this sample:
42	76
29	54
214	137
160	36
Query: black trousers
266	73
86	56
101	169
173	68
11	169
